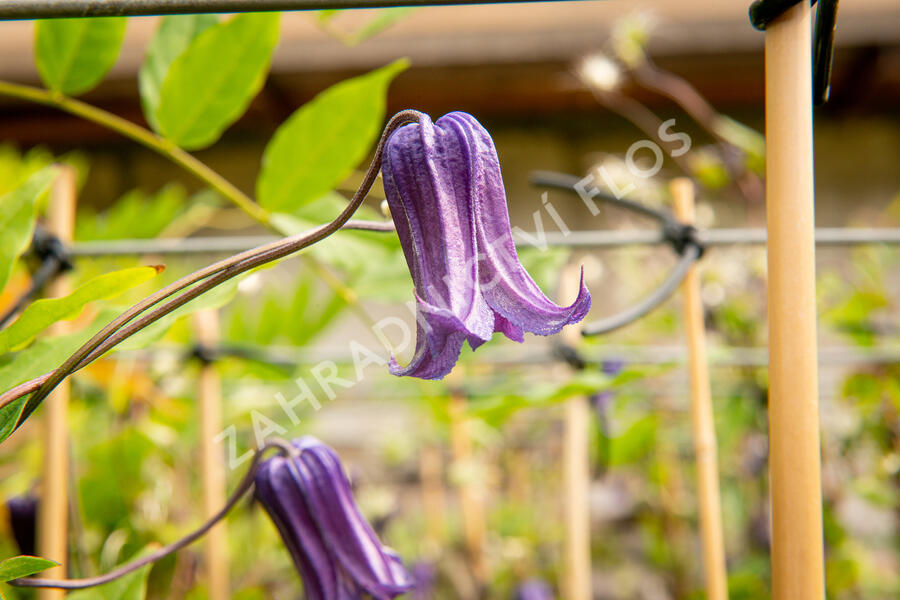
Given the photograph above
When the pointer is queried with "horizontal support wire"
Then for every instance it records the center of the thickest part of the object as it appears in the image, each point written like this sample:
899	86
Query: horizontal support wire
575	239
51	9
719	356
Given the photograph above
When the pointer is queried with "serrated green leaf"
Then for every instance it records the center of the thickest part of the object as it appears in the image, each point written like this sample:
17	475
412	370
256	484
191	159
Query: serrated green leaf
210	85
73	55
321	143
17	219
172	37
23	566
41	314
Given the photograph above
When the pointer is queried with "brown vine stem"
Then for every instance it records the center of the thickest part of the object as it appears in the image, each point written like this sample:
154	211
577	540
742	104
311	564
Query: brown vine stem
129	567
198	282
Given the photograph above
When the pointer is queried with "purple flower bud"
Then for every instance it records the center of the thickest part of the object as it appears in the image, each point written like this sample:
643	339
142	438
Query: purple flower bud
443	185
613	367
534	589
339	557
23	521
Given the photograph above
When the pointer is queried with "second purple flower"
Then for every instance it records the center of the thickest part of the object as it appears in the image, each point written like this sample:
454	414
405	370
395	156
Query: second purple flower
445	191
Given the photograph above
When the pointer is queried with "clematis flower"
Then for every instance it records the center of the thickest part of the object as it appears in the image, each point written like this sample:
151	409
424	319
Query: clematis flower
339	557
423	575
534	589
22	511
600	400
445	192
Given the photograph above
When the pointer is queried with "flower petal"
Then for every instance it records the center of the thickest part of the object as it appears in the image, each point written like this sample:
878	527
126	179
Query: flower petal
504	282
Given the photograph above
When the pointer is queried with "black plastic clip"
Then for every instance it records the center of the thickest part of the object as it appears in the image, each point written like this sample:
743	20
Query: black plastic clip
762	12
54	259
569	355
207	355
48	247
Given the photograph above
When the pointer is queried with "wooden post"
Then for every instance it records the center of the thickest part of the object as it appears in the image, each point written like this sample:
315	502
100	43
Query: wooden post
53	511
471	498
794	459
576	470
212	458
702	421
431	476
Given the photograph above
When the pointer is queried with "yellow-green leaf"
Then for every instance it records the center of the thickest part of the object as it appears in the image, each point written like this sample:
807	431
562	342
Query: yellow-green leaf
23	566
17	219
42	313
209	86
73	55
322	142
41	357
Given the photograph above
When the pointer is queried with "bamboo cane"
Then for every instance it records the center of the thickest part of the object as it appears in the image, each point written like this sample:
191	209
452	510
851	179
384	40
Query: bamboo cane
212	458
702	421
53	512
794	460
471	499
576	471
432	480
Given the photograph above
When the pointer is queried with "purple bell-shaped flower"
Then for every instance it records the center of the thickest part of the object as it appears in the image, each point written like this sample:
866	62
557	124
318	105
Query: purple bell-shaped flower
534	589
445	192
339	557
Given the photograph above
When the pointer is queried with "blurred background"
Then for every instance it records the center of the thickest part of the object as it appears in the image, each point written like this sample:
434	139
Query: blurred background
462	477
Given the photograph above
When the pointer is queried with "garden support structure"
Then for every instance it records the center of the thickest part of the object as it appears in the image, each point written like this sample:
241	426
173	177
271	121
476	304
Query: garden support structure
53	510
797	548
576	470
702	420
794	455
212	452
49	9
472	493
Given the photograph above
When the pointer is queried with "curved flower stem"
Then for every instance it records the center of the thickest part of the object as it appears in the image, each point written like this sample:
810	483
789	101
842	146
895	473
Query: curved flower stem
242	488
190	163
198	283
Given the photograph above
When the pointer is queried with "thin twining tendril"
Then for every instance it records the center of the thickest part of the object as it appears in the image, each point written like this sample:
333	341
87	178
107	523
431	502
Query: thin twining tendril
246	483
132	320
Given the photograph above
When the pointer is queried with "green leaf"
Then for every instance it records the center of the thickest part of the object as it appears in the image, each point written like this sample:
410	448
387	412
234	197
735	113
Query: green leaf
382	20
73	55
23	566
38	359
172	37
41	314
321	143
134	215
210	85
17	219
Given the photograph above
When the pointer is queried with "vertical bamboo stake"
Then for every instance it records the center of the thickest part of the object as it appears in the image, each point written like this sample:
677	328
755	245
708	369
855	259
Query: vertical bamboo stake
576	471
53	512
470	498
794	460
704	431
212	458
432	480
